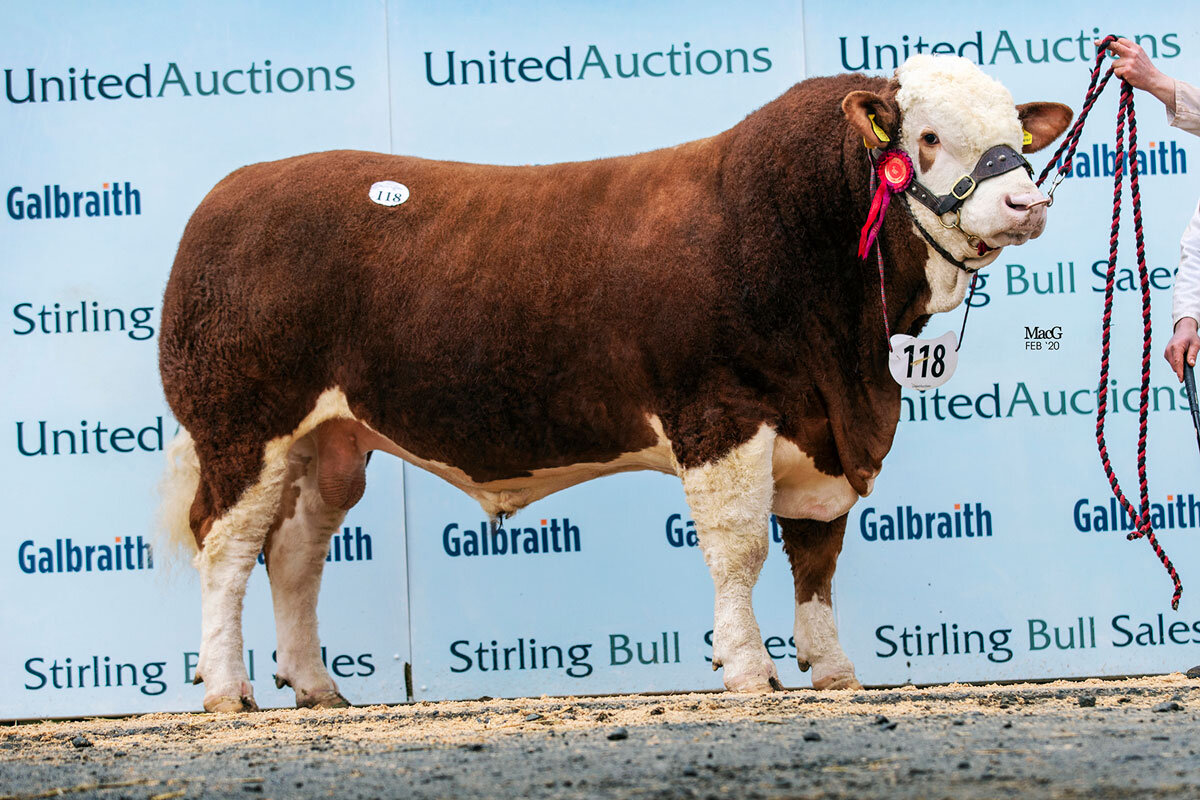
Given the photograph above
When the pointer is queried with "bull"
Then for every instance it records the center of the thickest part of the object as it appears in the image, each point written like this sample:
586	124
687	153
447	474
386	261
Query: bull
698	310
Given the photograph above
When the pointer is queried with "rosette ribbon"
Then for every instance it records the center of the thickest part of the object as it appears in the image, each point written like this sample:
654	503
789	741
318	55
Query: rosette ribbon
895	172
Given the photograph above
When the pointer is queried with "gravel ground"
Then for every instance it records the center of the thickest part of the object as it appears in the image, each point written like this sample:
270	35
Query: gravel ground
1094	739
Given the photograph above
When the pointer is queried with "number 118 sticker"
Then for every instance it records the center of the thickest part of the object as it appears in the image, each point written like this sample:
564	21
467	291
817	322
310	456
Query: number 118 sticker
923	363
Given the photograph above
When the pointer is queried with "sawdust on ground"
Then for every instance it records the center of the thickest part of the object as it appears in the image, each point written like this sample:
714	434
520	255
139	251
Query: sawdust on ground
464	722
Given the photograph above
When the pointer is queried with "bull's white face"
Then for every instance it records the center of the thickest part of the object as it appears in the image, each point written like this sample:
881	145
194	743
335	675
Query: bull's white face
950	114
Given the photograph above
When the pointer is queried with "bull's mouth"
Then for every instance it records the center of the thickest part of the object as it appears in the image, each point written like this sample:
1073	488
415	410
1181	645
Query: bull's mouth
1016	237
989	247
986	255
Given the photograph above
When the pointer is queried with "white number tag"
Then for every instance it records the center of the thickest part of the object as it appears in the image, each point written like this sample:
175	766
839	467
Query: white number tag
923	363
389	193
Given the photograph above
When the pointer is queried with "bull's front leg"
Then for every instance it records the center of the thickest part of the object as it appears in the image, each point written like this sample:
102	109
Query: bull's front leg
730	499
813	549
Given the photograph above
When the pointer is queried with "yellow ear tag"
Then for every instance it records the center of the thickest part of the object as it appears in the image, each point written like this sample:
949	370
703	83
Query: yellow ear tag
879	132
1026	137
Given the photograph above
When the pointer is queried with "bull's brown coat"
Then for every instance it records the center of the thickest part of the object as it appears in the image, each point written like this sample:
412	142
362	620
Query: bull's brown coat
506	319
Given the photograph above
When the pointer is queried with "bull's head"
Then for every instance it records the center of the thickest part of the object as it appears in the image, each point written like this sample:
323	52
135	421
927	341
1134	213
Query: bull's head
946	114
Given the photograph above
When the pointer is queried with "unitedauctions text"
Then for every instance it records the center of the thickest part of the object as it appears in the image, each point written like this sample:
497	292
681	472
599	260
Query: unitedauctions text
673	62
176	81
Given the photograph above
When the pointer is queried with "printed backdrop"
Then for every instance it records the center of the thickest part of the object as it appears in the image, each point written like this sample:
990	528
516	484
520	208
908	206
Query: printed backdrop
117	123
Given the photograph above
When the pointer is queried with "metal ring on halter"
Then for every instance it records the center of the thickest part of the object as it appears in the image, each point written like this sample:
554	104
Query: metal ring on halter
973	240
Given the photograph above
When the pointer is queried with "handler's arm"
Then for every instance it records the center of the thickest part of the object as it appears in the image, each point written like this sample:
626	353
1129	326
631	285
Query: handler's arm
1185	306
1184	113
1181	99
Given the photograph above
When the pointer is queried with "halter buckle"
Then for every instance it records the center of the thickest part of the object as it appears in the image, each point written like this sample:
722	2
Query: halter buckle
954	192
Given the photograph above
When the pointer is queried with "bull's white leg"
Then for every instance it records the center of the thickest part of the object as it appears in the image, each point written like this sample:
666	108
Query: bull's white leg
730	501
296	551
817	645
225	561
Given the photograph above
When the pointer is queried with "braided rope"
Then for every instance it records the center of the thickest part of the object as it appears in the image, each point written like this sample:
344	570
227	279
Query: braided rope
1071	142
1125	113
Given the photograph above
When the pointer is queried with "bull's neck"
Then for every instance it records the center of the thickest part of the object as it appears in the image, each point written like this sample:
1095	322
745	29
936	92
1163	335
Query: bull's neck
797	195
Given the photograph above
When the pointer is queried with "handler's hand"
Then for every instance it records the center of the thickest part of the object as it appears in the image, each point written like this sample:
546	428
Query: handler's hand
1184	344
1135	67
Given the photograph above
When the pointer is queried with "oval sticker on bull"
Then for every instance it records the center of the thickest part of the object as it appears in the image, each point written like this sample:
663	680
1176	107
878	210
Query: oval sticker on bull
389	193
923	363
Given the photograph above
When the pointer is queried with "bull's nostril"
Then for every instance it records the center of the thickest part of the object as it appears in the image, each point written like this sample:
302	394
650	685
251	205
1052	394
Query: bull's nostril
1023	203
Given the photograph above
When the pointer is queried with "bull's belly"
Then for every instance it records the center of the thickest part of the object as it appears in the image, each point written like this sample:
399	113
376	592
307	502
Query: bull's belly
512	494
800	489
505	496
804	492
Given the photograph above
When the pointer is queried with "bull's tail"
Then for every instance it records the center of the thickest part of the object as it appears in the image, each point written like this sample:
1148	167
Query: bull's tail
178	489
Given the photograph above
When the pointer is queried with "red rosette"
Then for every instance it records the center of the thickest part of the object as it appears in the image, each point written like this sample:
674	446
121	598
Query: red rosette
895	170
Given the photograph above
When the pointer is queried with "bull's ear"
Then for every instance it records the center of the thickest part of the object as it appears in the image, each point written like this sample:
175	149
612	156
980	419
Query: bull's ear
871	116
1042	123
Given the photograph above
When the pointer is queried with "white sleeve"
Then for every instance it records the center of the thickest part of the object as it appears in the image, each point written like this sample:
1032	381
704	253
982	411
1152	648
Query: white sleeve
1186	115
1186	298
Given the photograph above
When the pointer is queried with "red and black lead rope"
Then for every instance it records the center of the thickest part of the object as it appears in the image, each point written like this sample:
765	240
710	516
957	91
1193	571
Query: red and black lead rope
1140	516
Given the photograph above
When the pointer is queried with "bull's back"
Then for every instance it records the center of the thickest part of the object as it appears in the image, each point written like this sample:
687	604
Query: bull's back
526	296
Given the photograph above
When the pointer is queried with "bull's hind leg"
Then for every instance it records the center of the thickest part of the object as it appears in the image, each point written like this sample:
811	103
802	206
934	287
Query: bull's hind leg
813	549
295	551
730	501
230	544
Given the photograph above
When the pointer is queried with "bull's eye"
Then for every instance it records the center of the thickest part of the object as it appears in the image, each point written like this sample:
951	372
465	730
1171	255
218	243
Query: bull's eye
930	139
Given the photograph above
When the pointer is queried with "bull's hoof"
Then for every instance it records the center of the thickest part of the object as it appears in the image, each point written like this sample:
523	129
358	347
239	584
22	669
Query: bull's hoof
327	698
226	704
758	680
834	671
837	682
804	665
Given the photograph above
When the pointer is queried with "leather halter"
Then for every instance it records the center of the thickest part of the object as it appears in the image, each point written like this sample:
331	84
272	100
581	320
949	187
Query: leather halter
941	251
994	161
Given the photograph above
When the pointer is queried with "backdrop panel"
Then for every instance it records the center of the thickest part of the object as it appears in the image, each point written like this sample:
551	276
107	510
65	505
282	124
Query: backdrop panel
1007	447
629	607
115	125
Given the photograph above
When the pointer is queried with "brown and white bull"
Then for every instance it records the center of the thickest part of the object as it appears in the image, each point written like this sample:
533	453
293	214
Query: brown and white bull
698	310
